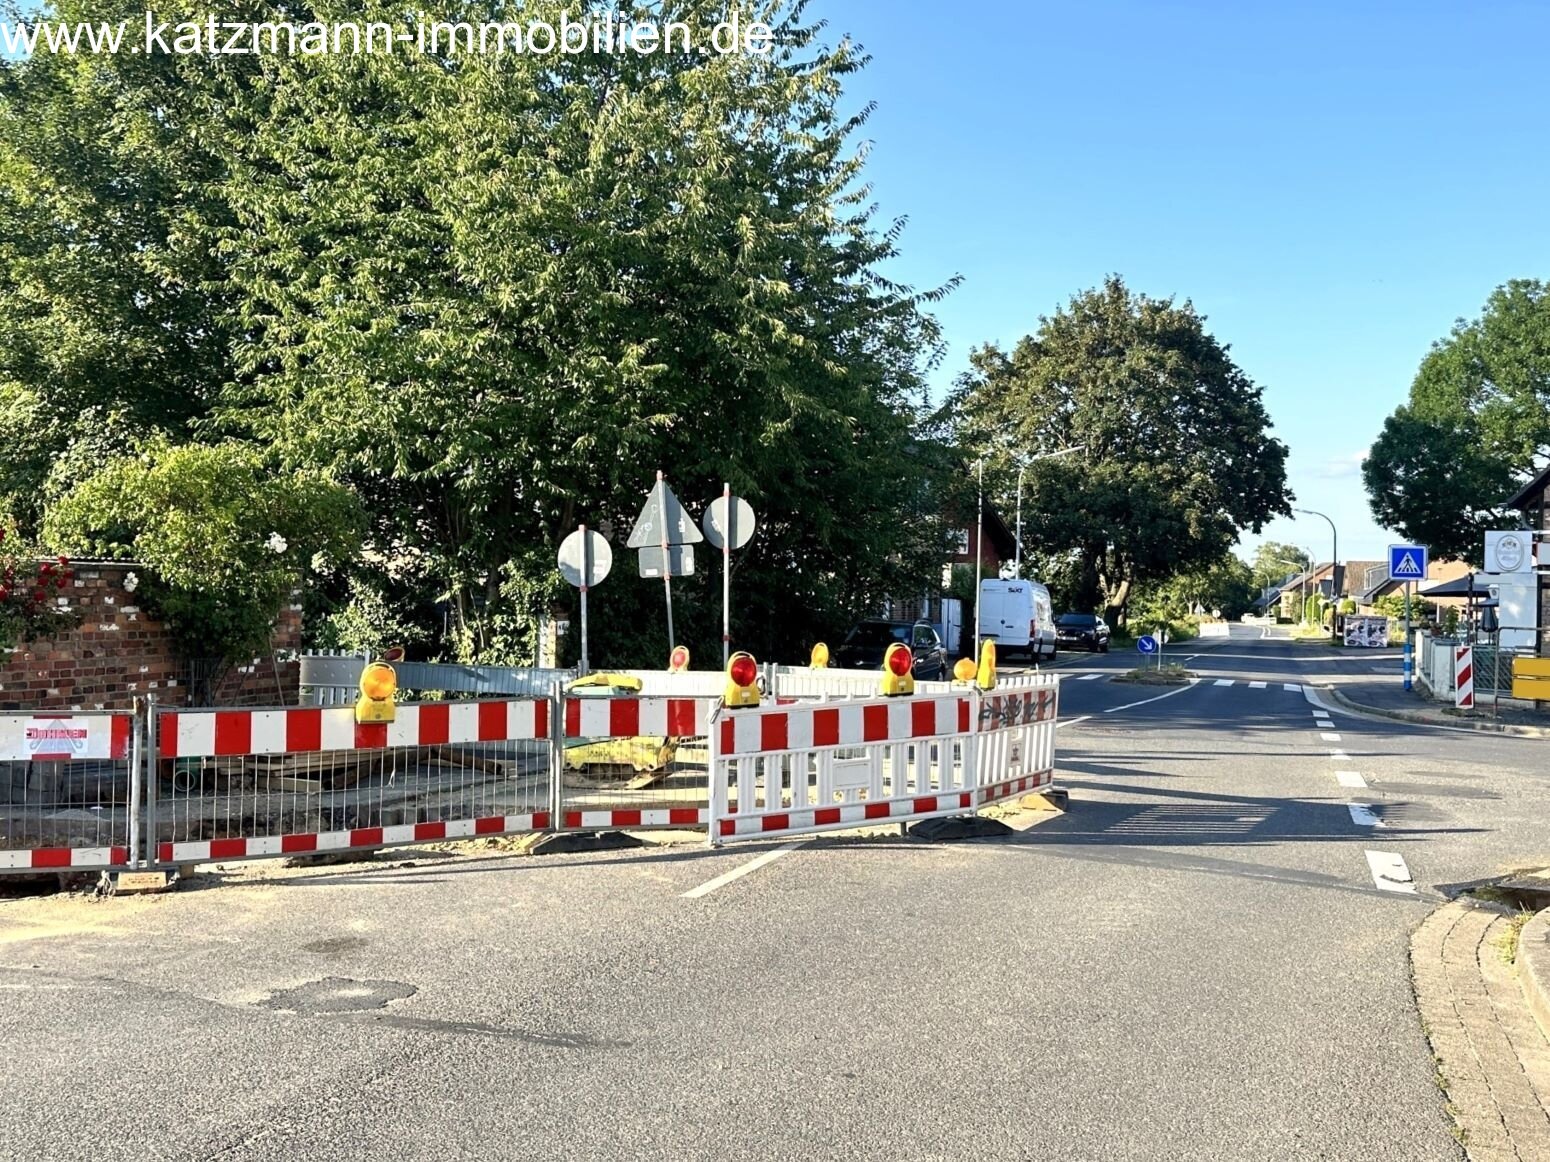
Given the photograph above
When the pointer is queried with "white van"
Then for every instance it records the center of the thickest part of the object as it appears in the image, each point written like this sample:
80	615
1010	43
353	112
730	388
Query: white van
1018	616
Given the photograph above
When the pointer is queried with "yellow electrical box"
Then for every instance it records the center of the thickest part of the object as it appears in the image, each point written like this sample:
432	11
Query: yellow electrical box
898	670
986	673
1531	679
378	686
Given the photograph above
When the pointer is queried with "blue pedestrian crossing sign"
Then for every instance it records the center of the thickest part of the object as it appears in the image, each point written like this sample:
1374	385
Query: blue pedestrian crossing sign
1407	563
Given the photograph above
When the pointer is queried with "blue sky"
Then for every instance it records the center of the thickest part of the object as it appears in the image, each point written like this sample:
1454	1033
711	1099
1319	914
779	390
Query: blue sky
1331	184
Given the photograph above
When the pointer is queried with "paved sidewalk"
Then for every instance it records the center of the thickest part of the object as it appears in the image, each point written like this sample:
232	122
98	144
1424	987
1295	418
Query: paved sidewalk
1387	697
1493	1060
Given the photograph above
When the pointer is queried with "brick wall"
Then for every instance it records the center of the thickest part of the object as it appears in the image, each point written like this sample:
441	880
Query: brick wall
117	651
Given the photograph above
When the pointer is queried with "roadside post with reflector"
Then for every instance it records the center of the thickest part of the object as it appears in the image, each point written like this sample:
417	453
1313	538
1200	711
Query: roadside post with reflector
678	660
742	681
378	685
985	676
898	670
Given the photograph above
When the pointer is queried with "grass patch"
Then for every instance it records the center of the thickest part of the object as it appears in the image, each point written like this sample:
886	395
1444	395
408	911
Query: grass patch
1170	675
1508	944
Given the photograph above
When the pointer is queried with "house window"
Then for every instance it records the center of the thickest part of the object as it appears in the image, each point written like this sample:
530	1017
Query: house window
960	543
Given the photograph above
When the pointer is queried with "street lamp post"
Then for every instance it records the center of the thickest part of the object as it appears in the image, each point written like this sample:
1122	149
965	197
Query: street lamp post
1017	562
1334	562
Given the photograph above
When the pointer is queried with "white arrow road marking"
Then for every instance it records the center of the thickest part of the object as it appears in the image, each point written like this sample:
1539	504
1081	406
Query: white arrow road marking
1147	701
1350	779
1362	815
1389	872
754	864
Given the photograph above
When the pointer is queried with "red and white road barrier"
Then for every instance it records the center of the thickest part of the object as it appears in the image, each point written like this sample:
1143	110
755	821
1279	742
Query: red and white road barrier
634	717
318	842
1464	677
316	729
51	761
790	770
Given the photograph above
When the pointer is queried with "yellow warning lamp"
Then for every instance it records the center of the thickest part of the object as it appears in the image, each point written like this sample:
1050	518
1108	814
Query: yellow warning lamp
898	670
820	657
742	681
378	685
678	660
986	675
963	669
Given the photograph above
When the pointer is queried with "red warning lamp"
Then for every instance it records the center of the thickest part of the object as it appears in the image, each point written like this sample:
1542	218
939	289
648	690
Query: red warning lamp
742	681
678	660
898	667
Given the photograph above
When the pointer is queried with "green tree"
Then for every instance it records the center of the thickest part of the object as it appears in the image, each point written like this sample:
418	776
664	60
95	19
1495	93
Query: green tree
1274	561
226	539
1178	454
496	293
1477	422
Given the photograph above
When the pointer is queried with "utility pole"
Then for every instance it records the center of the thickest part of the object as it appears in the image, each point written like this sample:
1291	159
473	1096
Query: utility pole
1334	561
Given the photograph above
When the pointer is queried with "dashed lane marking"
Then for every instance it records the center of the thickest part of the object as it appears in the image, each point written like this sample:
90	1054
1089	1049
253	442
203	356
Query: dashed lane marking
1389	872
1351	779
1224	681
1294	687
1362	815
1257	685
1330	737
1339	756
754	864
1090	677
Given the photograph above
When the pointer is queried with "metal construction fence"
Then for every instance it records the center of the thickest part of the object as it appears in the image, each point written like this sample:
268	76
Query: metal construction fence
1434	664
171	787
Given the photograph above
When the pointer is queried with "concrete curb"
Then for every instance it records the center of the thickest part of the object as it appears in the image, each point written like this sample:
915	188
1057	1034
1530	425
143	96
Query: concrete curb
1423	718
1533	964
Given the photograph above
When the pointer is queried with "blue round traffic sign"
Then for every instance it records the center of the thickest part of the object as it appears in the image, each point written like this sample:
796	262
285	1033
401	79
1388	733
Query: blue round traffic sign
1147	644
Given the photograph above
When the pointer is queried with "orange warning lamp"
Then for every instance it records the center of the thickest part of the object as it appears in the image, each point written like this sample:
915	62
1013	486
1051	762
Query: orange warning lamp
986	674
742	681
898	670
819	659
963	669
678	660
378	686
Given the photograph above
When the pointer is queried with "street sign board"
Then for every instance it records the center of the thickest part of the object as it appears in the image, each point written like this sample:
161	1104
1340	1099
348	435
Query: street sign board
680	561
662	512
1509	551
585	558
1407	563
1147	644
726	523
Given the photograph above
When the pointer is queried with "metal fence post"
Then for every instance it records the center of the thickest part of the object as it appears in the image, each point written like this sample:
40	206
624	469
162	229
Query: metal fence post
136	781
556	754
148	826
717	785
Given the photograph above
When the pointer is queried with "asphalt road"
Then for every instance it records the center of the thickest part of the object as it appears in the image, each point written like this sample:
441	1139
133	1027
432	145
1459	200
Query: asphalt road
1197	961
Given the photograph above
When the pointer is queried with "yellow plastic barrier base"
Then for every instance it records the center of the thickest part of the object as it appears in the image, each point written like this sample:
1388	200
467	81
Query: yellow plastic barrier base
642	755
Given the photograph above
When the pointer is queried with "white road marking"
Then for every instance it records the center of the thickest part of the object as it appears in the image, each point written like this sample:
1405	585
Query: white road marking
1257	685
1224	681
1340	756
1389	872
754	864
1146	701
1362	815
1351	779
1330	737
1090	677
1071	721
1294	687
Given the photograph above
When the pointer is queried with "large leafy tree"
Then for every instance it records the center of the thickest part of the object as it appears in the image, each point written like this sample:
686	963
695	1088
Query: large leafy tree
1275	560
497	293
1178	457
1477	422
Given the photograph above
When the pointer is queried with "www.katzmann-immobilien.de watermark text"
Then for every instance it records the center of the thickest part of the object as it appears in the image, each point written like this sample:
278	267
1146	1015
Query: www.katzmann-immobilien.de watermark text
605	32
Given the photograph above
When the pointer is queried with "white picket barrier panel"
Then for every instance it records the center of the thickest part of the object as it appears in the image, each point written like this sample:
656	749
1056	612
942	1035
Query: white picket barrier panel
794	769
805	682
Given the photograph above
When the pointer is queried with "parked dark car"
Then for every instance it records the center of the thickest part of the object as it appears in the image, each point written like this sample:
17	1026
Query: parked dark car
1086	631
864	647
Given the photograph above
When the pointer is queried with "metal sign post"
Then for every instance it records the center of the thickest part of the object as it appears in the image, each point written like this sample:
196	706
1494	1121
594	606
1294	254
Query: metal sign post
663	523
729	524
1407	563
1409	644
584	561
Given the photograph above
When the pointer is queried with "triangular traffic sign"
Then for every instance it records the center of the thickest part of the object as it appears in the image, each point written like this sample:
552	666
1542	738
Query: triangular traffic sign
662	511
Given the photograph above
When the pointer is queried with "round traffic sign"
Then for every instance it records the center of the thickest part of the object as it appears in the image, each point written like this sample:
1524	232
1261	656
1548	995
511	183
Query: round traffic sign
585	558
735	525
1147	644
